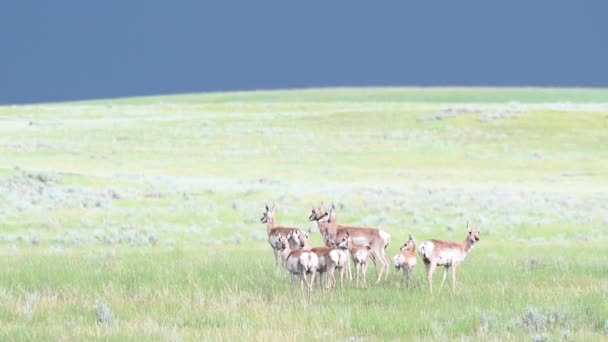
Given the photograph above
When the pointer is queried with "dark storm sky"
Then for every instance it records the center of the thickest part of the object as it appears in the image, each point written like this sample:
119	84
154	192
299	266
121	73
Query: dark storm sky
67	50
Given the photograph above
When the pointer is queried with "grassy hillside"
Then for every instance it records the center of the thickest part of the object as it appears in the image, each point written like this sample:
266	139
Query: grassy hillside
142	214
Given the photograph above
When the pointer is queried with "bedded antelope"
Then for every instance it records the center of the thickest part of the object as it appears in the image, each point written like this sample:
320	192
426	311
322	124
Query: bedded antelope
448	254
298	240
360	256
299	262
406	260
361	236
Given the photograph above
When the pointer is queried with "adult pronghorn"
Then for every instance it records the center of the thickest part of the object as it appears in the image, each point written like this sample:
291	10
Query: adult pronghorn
361	236
320	215
447	254
298	239
406	260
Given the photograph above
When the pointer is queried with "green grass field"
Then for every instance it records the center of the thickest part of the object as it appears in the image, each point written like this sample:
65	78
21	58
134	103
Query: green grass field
138	218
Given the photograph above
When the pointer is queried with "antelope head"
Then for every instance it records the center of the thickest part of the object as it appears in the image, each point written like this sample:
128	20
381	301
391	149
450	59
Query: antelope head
284	241
317	214
473	236
344	242
268	214
301	237
409	245
329	240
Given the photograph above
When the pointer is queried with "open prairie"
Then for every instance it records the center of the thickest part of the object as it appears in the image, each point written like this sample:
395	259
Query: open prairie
139	218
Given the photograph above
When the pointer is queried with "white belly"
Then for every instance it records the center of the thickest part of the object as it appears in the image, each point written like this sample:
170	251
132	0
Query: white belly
449	257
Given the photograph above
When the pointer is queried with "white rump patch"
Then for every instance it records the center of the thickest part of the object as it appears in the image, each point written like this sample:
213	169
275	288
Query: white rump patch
386	237
426	250
338	257
309	261
399	259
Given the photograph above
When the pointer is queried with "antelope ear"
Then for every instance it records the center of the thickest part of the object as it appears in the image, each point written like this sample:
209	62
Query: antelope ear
267	207
347	234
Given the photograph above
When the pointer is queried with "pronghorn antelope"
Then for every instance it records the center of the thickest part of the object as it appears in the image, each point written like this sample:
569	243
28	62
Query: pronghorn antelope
300	262
360	256
376	238
337	260
321	216
331	242
406	260
322	254
447	254
298	240
330	259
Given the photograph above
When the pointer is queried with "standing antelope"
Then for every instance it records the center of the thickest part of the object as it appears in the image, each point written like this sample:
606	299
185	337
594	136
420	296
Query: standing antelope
406	260
298	240
361	236
300	262
330	259
447	254
337	260
321	216
360	256
323	254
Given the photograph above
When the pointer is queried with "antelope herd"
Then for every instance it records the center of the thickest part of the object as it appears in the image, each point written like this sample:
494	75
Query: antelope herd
363	244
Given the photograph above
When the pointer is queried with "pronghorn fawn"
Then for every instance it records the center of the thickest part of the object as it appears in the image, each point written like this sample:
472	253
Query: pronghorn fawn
322	254
337	260
360	256
376	238
330	259
298	240
406	260
448	254
299	262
